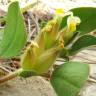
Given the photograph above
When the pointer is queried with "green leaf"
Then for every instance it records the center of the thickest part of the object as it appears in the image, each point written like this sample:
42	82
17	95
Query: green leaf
82	43
69	78
26	74
88	19
15	35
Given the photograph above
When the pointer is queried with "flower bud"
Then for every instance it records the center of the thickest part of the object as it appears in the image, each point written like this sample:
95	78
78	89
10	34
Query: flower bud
47	36
45	61
29	57
34	64
50	37
68	32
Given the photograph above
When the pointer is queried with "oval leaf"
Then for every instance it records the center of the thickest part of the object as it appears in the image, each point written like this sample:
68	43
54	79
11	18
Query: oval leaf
81	43
87	16
68	78
15	35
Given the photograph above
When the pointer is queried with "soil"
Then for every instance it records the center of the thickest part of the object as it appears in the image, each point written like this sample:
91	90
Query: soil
34	86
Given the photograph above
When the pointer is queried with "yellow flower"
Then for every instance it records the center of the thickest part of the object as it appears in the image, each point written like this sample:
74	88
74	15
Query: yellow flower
72	22
68	32
59	11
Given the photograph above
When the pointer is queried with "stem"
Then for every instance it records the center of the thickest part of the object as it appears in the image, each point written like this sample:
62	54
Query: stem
10	76
29	6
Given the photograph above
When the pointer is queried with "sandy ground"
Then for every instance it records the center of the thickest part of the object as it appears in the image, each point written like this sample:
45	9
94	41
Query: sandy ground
34	86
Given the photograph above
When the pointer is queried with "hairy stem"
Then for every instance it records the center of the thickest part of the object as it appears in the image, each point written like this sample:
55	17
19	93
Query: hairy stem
10	76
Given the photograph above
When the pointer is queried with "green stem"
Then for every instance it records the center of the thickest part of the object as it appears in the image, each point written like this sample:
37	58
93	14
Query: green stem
28	7
10	76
